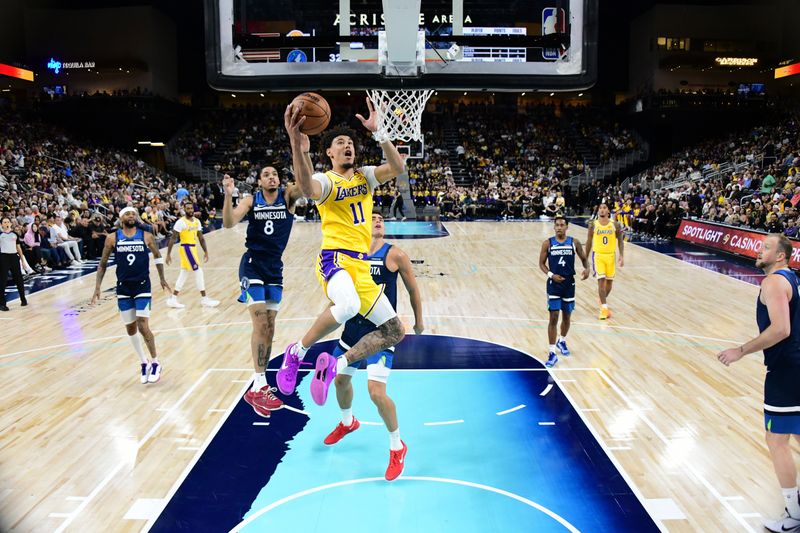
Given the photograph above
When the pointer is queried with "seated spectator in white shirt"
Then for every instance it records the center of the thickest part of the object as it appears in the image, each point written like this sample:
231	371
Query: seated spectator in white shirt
59	236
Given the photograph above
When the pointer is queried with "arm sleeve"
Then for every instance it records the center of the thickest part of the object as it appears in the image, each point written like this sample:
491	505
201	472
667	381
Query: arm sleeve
179	226
369	173
324	182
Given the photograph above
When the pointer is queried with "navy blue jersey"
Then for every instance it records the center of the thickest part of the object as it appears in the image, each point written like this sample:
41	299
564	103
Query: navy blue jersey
269	226
785	354
561	258
131	257
358	326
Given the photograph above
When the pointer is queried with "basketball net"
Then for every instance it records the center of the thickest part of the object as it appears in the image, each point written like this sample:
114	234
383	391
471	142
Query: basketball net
400	112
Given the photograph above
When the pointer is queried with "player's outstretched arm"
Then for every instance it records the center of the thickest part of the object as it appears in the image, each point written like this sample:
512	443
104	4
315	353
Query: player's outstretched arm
406	269
395	165
108	247
230	215
157	259
301	146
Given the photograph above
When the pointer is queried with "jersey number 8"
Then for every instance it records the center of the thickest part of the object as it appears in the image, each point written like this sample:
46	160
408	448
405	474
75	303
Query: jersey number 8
268	229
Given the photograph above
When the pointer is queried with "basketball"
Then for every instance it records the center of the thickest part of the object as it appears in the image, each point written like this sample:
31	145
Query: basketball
316	110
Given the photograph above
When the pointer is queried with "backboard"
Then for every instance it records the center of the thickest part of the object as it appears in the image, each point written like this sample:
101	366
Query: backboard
258	45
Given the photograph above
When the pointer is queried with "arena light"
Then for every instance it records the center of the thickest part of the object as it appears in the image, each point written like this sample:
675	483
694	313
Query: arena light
788	70
552	94
143	142
158	144
736	61
14	72
261	94
580	94
523	94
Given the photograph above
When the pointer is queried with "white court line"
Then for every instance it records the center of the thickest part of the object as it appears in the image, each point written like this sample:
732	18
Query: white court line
59	515
197	456
691	469
517	408
162	409
547	423
295	410
188	448
546	389
752	515
260	423
111	475
241	380
733	498
589	410
447	423
371	423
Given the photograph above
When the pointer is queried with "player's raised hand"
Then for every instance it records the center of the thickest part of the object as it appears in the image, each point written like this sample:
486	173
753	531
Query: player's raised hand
228	186
292	120
371	122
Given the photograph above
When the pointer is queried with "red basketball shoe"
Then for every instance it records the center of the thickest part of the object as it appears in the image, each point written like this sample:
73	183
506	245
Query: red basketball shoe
263	401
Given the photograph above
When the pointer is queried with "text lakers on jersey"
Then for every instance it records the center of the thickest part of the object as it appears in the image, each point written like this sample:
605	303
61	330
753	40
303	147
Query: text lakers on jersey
345	207
604	240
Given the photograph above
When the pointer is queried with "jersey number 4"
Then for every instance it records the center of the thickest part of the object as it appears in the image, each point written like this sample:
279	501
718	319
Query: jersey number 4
562	262
356	220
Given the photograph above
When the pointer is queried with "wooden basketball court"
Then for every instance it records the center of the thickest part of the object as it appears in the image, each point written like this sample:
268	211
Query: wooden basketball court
83	441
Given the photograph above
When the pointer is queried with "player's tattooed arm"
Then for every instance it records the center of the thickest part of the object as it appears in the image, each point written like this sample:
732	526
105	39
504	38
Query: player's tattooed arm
153	247
108	247
388	334
173	237
589	238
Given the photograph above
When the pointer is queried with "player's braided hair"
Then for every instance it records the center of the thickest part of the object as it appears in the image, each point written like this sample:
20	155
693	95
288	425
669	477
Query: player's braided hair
327	138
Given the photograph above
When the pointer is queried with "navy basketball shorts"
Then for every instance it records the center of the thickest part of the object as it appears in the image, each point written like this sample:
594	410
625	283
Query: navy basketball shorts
261	281
561	296
782	401
133	300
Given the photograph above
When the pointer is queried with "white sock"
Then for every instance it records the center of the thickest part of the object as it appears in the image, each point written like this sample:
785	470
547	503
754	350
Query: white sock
137	345
604	306
791	503
347	417
561	339
552	348
301	350
394	440
259	381
341	364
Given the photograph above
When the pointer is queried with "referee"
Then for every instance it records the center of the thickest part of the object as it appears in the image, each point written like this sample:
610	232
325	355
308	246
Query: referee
10	254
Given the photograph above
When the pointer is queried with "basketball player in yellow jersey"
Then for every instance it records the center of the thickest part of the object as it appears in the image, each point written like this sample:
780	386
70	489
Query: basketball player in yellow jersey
189	230
604	236
344	200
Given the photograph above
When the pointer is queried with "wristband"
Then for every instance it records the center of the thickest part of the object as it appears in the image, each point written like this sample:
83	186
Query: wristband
550	274
158	260
380	136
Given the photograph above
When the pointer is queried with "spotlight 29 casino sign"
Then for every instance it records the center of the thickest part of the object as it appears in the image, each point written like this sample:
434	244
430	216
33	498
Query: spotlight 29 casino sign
733	240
